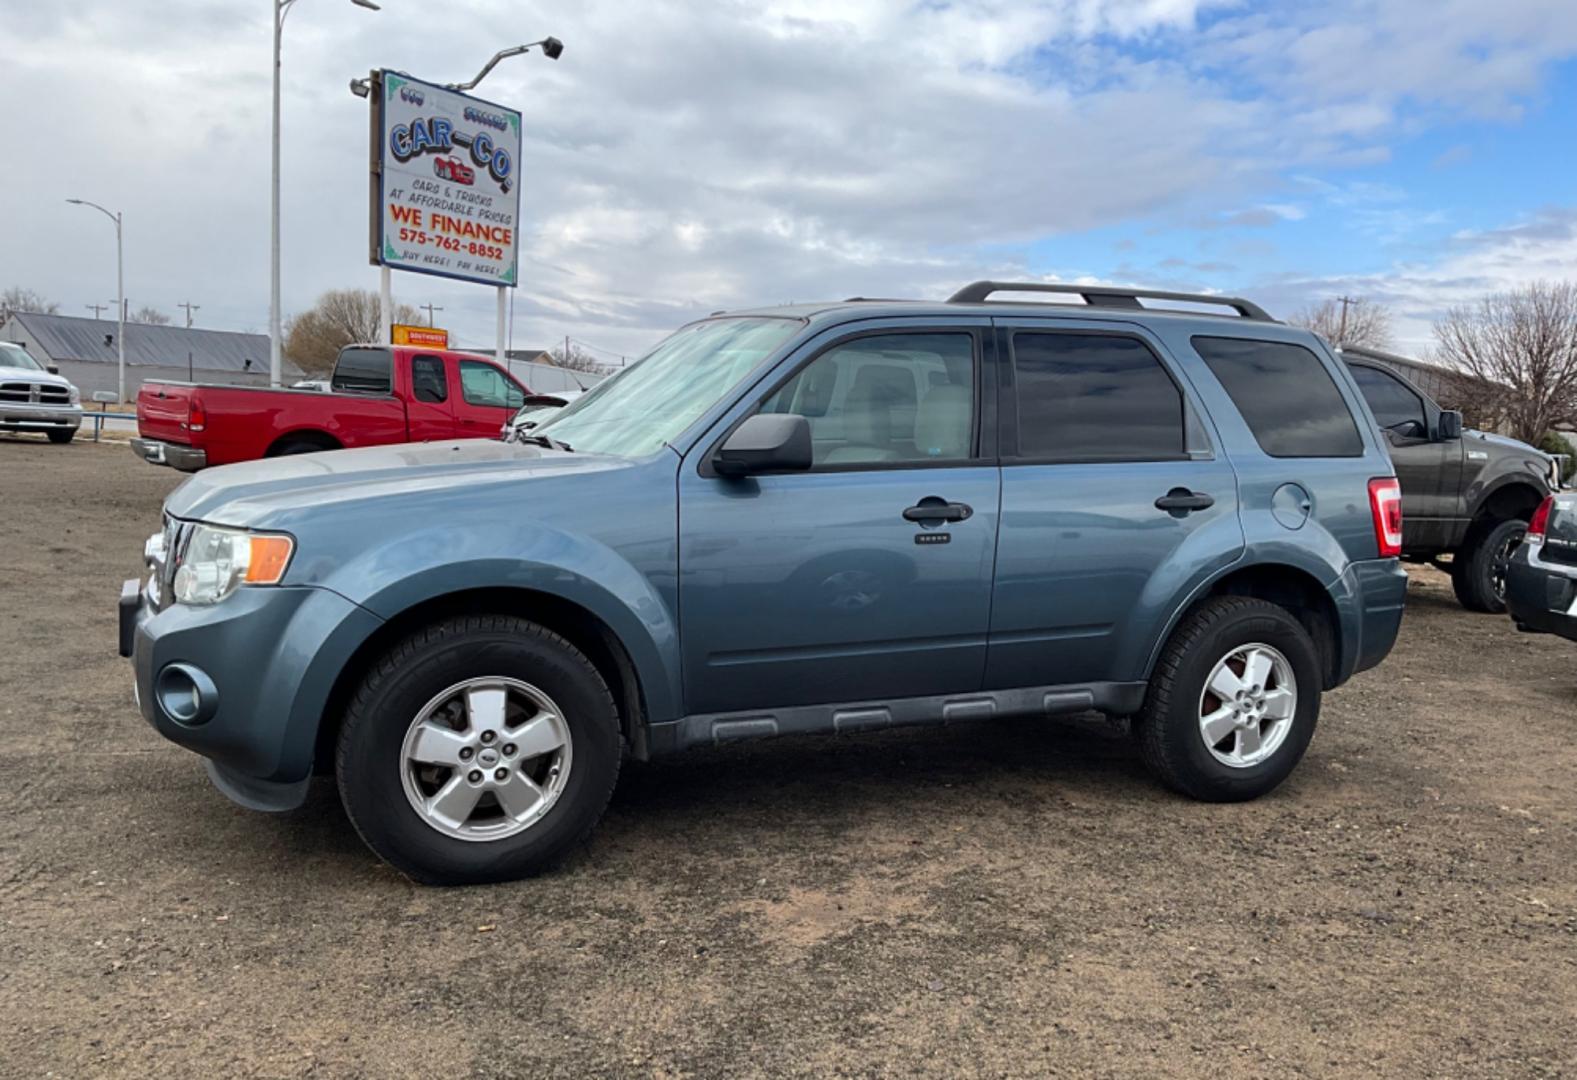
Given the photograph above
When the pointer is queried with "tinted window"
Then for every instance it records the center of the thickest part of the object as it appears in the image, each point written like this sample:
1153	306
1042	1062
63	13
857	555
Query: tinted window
1094	397
362	371
890	398
1285	395
1389	398
427	379
484	384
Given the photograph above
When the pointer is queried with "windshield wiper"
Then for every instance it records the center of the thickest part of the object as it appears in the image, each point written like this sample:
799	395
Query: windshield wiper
547	442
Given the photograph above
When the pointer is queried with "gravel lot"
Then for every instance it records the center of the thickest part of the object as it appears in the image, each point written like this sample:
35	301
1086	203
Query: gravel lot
1002	899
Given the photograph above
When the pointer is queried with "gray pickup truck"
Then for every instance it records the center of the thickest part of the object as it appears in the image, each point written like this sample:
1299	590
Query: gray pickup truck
1467	494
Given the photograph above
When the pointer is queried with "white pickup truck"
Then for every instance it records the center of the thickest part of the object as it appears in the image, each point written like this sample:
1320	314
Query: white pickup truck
35	398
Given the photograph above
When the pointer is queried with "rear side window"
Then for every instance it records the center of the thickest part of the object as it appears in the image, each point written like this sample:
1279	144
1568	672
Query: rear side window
1094	397
362	371
427	379
1285	395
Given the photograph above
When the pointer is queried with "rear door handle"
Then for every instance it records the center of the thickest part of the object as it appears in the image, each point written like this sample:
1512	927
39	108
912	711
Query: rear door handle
932	508
1181	501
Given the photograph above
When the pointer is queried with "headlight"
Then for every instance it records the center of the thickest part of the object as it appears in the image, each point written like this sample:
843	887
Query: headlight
218	561
74	395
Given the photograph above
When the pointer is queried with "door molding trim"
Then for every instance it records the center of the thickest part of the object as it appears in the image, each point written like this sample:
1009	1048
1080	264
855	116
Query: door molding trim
709	729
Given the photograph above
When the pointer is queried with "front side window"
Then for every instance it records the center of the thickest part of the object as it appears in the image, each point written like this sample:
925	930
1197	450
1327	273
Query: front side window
1094	397
483	384
362	371
650	403
891	398
428	382
1286	396
1393	404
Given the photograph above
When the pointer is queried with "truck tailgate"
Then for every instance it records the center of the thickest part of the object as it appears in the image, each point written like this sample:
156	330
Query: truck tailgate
162	410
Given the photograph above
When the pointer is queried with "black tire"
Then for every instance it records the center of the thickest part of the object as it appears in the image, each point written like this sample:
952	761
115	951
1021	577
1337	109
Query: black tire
369	767
62	437
1167	728
1478	569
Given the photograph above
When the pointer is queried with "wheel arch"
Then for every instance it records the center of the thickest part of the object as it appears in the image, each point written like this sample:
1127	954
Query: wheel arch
317	436
1290	587
576	623
1513	497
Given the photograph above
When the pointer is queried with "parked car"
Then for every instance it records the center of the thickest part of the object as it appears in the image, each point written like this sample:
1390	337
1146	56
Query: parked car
1541	581
535	409
1466	494
815	518
35	397
376	395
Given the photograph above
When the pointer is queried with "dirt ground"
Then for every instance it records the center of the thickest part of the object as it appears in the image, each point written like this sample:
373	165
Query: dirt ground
1000	899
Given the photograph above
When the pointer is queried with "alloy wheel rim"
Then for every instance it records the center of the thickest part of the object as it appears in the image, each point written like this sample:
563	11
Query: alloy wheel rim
1501	562
1247	707
486	758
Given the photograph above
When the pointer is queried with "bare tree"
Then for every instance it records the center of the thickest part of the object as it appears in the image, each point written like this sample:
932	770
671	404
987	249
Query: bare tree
574	358
17	299
149	316
1517	352
341	316
1361	323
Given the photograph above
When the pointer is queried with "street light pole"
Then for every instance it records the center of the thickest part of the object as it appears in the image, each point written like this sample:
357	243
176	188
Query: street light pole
281	9
120	290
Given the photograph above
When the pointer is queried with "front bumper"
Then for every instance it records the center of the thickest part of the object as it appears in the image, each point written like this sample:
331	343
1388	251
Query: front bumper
19	416
266	659
184	458
1541	595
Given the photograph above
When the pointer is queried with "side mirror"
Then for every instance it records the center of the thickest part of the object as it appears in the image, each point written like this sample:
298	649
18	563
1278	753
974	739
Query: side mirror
767	442
1450	424
53	369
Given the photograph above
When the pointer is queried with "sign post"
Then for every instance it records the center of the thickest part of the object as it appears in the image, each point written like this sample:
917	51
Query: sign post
445	187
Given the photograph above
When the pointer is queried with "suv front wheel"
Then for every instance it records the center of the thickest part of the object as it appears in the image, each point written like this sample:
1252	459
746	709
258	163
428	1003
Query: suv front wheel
1233	701
479	749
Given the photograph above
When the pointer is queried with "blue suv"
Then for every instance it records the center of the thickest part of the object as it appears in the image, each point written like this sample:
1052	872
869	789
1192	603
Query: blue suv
816	518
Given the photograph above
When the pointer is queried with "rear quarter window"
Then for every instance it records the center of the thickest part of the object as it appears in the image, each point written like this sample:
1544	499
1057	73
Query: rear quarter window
1286	396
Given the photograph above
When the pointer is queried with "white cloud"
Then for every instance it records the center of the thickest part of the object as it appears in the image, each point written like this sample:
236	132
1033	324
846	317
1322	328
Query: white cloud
686	157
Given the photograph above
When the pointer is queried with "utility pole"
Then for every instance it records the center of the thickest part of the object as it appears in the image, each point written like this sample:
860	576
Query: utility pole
97	308
1345	302
190	307
429	309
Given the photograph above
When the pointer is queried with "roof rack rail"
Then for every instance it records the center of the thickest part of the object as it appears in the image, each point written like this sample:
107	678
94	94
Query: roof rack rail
1107	296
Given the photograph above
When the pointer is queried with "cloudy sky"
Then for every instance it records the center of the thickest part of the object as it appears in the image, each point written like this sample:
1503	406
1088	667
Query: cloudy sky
685	157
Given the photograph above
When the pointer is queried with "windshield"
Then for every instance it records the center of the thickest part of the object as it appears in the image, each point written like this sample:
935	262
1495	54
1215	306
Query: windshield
648	404
14	356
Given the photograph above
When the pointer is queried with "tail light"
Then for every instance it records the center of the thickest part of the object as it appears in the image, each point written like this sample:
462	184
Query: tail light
1385	502
1541	520
196	418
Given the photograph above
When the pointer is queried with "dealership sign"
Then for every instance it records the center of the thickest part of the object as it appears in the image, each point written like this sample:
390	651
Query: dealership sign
445	182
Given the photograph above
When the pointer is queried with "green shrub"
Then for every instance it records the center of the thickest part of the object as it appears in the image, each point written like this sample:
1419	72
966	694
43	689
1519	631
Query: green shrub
1556	443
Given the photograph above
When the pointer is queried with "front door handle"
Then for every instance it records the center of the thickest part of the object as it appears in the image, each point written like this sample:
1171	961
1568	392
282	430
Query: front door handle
1182	501
931	509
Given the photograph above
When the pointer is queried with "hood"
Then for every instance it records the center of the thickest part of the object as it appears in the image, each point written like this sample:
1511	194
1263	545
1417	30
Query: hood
269	492
1504	440
10	374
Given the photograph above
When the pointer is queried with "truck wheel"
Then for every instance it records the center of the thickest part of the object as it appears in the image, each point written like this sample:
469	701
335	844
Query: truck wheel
479	749
62	436
1478	569
1232	703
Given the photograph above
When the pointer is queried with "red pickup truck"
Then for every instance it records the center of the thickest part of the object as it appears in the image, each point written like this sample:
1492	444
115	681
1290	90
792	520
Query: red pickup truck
377	394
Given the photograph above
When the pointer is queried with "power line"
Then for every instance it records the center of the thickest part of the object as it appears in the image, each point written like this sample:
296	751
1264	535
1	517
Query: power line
429	309
98	308
190	307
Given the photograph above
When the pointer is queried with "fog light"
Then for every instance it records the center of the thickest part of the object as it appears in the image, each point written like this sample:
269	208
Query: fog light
186	694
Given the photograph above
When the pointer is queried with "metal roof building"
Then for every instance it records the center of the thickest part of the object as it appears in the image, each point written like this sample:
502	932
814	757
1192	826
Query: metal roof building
84	351
67	337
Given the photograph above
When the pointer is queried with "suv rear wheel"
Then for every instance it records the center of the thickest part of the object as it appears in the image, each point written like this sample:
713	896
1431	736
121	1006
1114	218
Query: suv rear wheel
479	749
1478	568
1233	701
